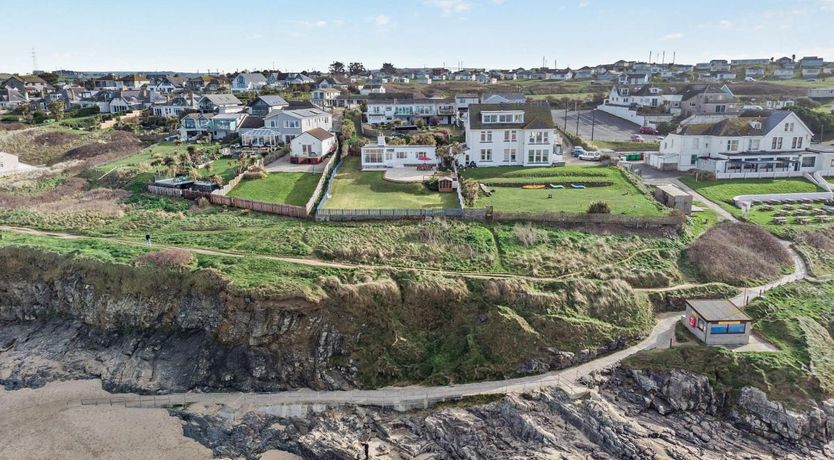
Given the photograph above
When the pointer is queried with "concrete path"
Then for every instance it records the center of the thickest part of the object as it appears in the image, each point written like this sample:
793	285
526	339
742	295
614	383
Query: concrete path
412	396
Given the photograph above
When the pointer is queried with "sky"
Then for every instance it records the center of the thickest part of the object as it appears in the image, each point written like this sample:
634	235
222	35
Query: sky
191	36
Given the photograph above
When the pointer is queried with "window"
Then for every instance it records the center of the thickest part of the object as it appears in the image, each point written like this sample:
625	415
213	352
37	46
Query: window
492	118
721	108
732	145
693	159
537	156
373	156
701	324
737	328
788	127
402	155
307	149
486	154
389	155
486	136
510	136
796	143
753	145
509	156
292	124
776	144
809	162
538	137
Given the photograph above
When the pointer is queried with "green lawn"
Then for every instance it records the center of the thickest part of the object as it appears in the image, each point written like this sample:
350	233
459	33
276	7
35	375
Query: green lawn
603	184
223	167
143	156
722	192
283	188
801	83
355	189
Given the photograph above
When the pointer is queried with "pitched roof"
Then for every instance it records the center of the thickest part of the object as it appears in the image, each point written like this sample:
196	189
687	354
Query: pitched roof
253	77
717	310
252	122
273	100
319	134
536	116
223	99
741	126
512	97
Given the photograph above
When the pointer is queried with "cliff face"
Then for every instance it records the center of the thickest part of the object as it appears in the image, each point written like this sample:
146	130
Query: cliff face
150	331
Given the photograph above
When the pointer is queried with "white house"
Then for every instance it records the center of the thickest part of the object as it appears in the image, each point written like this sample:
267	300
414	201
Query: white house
8	163
248	82
511	135
765	146
783	74
291	123
645	105
408	111
382	155
312	146
372	89
324	97
172	108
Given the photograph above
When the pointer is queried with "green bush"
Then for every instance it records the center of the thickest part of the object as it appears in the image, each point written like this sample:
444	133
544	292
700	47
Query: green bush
599	207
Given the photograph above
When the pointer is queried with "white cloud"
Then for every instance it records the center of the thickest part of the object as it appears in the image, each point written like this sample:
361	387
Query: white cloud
381	20
725	24
450	7
313	24
672	36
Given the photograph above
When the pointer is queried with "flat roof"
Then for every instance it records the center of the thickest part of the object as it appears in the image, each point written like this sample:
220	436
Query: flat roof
672	190
717	310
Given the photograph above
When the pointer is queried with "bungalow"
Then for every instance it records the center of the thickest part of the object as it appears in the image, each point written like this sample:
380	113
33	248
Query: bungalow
248	82
501	98
381	155
717	322
644	105
759	61
779	104
262	105
584	73
561	75
172	108
821	93
742	147
219	103
783	74
754	72
297	79
372	89
324	97
703	99
811	72
134	81
409	111
811	62
291	123
331	82
312	146
11	98
719	65
108	81
635	78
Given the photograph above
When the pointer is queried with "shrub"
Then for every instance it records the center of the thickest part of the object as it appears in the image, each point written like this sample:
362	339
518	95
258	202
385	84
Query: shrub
599	207
202	202
167	258
528	235
738	253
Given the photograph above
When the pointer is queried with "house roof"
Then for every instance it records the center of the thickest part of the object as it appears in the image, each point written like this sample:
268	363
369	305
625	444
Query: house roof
297	113
222	99
253	77
319	134
251	122
717	310
741	126
273	100
229	116
690	91
536	116
512	97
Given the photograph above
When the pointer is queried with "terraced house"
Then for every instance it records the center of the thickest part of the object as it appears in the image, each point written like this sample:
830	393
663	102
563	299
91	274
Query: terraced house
511	135
408	111
776	145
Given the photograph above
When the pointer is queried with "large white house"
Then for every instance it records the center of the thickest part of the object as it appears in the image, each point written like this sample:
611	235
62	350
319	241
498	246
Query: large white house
248	82
511	135
382	155
775	145
645	105
291	123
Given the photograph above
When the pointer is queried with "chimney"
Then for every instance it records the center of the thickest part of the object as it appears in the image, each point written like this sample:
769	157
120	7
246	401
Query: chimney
380	140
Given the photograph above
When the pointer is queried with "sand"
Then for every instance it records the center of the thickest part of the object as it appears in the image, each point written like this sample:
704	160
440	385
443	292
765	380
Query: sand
39	424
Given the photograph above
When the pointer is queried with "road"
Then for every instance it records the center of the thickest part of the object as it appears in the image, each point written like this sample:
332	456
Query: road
607	127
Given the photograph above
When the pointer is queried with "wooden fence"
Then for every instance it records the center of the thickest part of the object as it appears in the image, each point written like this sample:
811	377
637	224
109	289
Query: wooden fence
584	218
398	214
165	191
260	206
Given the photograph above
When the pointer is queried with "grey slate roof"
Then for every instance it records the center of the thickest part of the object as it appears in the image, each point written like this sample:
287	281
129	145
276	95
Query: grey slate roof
717	310
536	116
223	99
274	100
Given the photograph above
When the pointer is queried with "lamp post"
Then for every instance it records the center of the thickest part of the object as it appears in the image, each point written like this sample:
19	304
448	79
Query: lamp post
593	122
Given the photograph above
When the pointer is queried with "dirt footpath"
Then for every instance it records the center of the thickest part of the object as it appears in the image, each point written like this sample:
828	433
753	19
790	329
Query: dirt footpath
38	424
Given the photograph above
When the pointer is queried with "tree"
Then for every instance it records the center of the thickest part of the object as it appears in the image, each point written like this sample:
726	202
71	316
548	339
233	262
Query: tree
448	153
599	207
348	128
355	68
337	67
388	68
56	109
25	112
424	139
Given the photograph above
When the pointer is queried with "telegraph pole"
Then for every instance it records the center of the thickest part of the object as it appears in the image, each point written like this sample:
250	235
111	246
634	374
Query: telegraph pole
576	109
566	116
593	122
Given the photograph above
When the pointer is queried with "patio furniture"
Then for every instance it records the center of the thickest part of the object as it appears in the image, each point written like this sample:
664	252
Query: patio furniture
557	186
577	186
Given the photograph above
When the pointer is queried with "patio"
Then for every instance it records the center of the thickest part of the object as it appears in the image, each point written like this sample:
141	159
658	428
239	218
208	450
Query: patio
283	164
407	174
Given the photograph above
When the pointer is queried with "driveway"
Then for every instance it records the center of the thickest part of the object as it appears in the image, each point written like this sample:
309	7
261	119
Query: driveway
606	127
283	165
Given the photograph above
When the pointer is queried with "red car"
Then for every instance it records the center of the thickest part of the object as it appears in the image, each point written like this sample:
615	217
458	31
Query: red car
648	130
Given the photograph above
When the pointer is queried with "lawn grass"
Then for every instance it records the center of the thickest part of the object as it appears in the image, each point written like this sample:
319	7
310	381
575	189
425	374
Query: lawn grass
143	156
356	189
628	146
603	184
723	191
802	83
282	188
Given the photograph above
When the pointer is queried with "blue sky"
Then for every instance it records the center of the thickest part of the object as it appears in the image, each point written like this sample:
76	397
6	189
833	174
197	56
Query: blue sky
191	36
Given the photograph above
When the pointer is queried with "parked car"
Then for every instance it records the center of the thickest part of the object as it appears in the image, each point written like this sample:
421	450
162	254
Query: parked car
648	130
578	151
637	138
590	156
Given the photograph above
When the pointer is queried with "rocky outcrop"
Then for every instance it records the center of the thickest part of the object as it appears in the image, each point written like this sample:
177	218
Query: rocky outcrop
545	424
770	419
